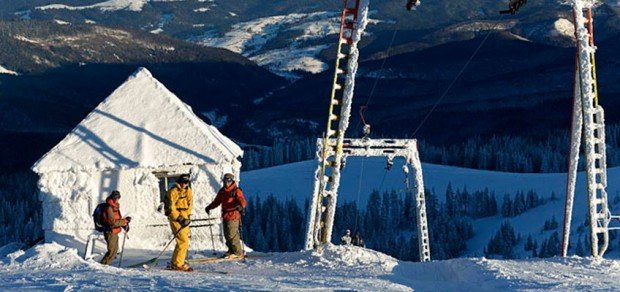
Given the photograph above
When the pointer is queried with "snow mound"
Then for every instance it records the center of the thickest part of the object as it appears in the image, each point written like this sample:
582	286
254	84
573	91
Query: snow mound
45	257
337	256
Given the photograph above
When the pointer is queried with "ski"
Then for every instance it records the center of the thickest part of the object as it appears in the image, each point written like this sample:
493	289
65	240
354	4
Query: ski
192	271
213	260
144	264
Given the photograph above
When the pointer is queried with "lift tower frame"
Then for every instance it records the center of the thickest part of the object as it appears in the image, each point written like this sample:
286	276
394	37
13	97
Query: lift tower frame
588	125
332	149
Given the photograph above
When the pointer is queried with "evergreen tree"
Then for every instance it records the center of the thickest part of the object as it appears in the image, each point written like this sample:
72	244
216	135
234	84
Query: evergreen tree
450	201
529	244
507	205
579	250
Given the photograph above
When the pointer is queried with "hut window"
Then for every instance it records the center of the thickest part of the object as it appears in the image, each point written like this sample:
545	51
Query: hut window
166	181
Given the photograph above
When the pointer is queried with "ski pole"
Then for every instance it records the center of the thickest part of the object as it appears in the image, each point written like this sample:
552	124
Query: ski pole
166	247
204	219
120	261
193	220
202	225
157	225
241	234
212	242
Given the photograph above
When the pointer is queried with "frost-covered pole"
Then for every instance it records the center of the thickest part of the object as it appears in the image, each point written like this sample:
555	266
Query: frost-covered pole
420	205
593	130
573	162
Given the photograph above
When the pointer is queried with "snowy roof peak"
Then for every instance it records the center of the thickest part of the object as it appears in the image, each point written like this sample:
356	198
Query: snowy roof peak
141	124
141	72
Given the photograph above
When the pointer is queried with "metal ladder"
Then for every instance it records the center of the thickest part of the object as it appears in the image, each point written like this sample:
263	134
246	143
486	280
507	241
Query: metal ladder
328	173
594	132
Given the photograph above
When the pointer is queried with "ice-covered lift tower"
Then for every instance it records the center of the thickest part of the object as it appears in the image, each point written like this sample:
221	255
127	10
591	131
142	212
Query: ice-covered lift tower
588	123
334	148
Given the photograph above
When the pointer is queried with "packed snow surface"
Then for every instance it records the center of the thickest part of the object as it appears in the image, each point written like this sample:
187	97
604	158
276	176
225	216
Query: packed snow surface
54	267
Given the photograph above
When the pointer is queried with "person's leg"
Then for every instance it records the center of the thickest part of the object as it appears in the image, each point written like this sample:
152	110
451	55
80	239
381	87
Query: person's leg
235	238
183	246
174	261
112	242
228	236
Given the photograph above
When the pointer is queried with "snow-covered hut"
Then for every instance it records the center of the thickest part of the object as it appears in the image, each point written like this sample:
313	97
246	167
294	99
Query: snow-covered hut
136	141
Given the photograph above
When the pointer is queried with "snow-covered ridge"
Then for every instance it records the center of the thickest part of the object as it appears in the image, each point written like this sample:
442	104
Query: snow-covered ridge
250	39
110	5
7	71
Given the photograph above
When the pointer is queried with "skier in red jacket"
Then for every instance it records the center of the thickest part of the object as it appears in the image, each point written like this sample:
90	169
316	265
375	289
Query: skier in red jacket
233	203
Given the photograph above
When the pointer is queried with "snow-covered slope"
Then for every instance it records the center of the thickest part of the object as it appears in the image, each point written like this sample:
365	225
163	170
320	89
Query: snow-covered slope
362	175
366	174
53	267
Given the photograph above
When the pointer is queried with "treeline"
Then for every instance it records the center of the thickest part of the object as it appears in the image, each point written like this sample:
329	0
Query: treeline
516	154
500	153
20	209
273	225
282	151
387	222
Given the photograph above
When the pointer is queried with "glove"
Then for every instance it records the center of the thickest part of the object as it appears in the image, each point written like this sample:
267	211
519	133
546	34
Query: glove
126	227
128	218
183	221
207	210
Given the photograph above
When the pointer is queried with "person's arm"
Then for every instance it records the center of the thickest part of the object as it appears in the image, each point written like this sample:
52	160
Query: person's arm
110	218
216	202
241	199
190	201
174	196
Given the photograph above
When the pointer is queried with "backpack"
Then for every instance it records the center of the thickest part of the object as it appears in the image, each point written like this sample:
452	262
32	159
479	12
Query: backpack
167	204
100	225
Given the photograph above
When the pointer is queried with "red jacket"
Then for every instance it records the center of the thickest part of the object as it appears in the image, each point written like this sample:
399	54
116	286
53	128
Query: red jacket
112	216
229	204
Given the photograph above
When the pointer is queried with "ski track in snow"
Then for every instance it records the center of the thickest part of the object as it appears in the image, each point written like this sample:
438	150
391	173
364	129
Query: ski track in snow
53	267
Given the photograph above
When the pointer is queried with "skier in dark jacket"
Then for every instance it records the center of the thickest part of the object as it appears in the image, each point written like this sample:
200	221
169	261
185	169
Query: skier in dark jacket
113	219
358	241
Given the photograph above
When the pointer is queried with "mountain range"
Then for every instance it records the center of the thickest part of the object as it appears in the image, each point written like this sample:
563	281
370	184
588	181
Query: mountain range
60	58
